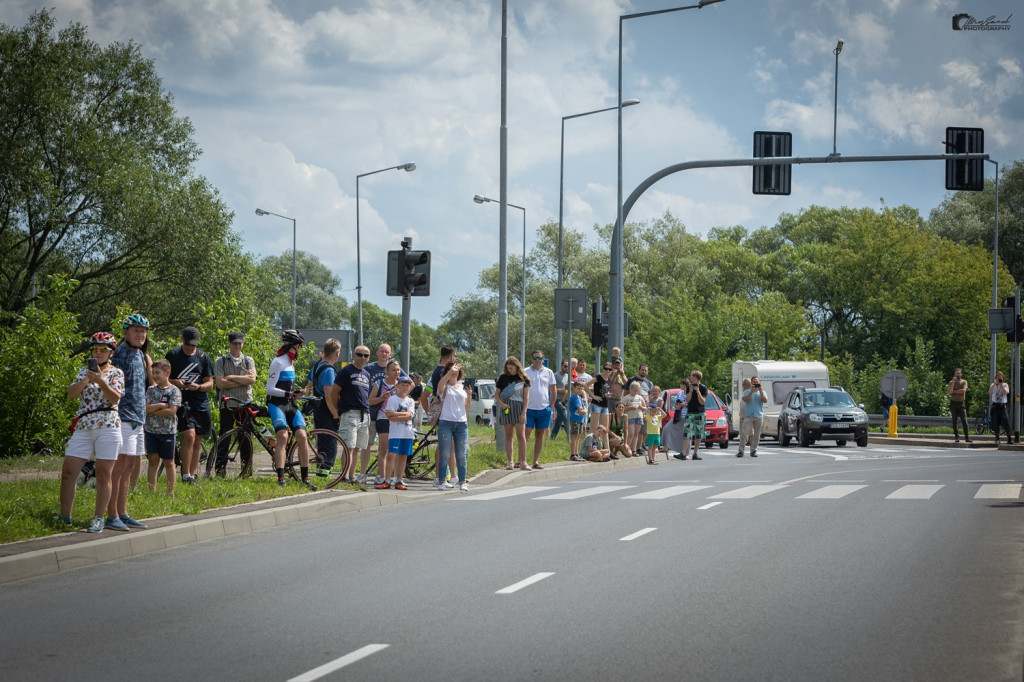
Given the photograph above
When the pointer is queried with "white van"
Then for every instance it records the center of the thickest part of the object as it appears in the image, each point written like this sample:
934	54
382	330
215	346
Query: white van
778	378
483	401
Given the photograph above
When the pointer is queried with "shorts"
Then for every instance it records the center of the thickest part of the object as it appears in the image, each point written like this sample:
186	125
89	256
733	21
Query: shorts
400	446
635	421
577	428
191	418
610	403
653	439
380	427
374	430
538	419
354	429
515	411
285	416
160	444
598	409
694	427
133	440
104	443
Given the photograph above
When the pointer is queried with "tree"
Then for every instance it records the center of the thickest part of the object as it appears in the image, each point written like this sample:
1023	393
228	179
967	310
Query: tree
317	303
97	181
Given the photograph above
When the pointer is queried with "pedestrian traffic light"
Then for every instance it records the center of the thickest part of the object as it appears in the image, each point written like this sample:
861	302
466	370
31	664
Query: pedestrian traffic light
408	271
966	175
598	327
772	179
1016	336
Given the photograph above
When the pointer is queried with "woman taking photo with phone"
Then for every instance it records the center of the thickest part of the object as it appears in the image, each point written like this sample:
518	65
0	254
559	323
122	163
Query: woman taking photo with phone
453	424
96	430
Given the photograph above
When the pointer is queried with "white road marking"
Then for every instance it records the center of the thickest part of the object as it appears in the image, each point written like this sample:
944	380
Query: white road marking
586	492
998	491
536	577
639	533
708	506
664	493
831	492
498	494
336	664
915	492
747	492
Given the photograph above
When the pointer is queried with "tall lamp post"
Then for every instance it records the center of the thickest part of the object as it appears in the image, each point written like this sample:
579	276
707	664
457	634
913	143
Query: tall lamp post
261	212
561	191
835	98
408	167
616	333
522	298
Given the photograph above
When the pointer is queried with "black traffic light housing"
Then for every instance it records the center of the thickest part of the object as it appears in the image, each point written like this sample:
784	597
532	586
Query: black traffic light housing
598	326
772	179
968	175
1016	336
408	271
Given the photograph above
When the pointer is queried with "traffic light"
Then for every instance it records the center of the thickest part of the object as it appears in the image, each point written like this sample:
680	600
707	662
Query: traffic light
968	175
772	179
408	271
598	327
1016	336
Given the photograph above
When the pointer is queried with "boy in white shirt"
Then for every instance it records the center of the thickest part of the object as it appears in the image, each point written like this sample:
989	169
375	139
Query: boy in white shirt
400	410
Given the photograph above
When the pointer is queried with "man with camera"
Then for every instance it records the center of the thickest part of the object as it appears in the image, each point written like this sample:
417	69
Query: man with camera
753	416
694	428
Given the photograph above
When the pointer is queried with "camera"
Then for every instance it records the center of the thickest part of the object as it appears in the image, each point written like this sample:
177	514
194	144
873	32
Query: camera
757	385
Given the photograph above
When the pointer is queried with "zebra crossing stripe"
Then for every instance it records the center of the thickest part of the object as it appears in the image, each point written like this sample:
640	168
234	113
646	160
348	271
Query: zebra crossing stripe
585	492
665	493
747	492
998	491
914	492
512	492
831	492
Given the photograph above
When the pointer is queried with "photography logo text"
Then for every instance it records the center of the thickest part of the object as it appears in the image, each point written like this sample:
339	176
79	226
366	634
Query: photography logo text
967	22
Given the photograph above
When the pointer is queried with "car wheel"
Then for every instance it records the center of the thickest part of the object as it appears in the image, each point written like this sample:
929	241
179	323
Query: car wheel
783	438
723	444
841	443
479	420
862	442
801	436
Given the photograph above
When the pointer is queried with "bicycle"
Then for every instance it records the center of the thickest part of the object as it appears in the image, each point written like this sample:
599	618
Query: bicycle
421	462
236	446
983	422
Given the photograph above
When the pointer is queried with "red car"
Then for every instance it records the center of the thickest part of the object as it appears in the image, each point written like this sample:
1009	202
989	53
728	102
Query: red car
716	424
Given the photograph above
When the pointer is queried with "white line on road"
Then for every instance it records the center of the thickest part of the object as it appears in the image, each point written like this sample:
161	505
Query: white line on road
664	493
536	577
639	533
747	493
498	494
708	506
831	492
586	492
915	492
998	491
338	663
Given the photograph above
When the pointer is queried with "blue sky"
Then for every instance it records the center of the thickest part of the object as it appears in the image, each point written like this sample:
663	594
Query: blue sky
292	100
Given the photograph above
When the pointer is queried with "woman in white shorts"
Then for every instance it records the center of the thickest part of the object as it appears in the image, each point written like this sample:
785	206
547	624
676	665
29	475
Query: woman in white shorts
97	429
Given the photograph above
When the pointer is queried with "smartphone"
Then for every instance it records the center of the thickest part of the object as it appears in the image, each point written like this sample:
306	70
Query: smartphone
93	365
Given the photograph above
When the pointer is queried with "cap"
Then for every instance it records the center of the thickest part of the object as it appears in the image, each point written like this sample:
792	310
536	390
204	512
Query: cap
616	360
236	336
190	335
404	380
415	375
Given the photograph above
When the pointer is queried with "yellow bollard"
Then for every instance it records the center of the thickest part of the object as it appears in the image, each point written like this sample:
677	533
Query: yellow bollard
893	414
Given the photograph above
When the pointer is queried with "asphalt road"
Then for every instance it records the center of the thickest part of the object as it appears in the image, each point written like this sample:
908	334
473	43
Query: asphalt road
878	563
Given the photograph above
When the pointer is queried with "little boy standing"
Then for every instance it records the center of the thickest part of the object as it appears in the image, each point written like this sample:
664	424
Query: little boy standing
400	410
577	421
162	402
653	418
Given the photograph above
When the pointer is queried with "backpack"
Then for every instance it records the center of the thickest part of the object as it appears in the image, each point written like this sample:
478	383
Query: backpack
317	369
249	363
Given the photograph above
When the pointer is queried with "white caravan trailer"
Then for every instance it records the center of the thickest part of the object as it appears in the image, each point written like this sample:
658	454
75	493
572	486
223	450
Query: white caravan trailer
778	378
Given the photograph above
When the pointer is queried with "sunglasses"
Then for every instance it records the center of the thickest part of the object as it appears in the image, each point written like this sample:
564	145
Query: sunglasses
538	357
362	355
607	368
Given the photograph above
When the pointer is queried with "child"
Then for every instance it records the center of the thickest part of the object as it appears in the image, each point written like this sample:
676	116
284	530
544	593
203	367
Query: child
577	421
653	419
162	402
400	410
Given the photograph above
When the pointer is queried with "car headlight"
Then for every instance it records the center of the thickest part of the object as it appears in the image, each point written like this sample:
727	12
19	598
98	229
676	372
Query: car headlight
861	418
721	422
814	417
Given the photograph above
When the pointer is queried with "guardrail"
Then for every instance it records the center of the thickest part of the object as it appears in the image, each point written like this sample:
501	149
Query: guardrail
917	420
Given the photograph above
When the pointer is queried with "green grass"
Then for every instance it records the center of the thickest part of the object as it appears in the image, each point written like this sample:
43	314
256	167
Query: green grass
27	505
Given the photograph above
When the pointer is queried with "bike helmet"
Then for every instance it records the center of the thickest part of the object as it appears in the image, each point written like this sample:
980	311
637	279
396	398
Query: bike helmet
135	320
103	339
291	336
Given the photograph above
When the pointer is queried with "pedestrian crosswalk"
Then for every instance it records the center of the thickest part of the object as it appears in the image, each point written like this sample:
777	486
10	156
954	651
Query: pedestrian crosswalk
724	490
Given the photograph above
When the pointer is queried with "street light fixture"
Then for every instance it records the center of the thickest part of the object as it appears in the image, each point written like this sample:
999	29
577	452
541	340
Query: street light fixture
616	313
561	186
261	212
835	98
522	299
408	167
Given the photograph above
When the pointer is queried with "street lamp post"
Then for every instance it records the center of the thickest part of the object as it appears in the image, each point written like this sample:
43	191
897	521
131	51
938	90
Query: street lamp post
522	298
261	212
408	167
616	316
561	189
835	98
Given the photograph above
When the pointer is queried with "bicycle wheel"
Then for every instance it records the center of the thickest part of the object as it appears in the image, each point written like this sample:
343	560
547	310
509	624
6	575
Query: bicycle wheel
979	425
319	440
421	463
235	449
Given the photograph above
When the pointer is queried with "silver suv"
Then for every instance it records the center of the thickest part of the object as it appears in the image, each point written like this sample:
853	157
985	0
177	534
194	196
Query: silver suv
811	414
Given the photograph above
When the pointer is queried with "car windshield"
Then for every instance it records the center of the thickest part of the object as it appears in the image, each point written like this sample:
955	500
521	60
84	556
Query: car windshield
711	402
828	399
485	391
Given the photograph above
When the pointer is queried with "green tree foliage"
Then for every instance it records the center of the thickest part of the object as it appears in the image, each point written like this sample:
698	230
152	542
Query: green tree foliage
36	368
98	183
317	302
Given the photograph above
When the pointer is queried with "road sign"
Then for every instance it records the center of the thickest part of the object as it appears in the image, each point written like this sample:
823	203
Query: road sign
570	308
895	384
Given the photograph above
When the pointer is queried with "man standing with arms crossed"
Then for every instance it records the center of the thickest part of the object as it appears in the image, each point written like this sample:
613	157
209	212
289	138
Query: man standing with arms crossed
542	397
234	373
957	395
192	373
349	402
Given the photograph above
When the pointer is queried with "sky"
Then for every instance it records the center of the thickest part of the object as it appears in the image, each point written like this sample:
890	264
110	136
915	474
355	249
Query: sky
291	100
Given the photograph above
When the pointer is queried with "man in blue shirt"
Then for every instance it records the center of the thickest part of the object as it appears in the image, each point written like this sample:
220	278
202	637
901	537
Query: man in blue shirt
753	416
